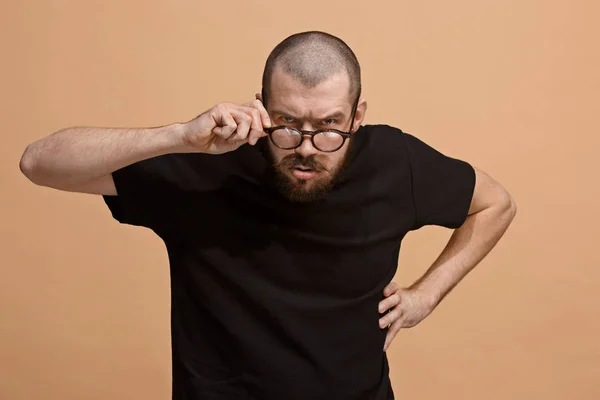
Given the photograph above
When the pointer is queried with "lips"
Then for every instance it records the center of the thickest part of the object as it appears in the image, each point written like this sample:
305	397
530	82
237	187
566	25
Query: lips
302	172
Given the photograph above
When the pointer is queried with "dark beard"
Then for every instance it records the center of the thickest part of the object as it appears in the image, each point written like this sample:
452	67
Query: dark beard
294	189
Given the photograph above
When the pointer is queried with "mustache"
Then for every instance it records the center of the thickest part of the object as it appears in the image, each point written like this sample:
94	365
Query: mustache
293	160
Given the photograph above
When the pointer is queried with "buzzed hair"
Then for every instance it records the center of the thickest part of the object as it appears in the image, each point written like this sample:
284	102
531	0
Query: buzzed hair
311	58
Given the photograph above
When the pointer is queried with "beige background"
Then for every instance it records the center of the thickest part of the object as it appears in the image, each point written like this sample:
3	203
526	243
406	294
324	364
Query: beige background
510	86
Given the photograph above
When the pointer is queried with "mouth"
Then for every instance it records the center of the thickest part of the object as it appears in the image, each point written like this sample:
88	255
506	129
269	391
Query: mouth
302	172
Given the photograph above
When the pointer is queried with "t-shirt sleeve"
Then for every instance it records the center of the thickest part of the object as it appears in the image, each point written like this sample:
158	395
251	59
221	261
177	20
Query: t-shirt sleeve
442	186
147	192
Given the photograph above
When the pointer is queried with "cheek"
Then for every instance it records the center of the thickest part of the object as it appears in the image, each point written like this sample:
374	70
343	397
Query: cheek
333	160
278	154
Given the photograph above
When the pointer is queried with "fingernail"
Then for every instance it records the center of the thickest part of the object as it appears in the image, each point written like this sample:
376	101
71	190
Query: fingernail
381	308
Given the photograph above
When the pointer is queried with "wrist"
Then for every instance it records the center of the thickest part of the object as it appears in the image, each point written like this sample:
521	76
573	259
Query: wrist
429	296
176	139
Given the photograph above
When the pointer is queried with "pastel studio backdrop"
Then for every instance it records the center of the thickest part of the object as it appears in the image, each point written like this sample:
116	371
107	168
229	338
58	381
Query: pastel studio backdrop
510	86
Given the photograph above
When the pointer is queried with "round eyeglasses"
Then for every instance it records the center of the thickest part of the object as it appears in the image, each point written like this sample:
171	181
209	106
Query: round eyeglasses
288	138
325	140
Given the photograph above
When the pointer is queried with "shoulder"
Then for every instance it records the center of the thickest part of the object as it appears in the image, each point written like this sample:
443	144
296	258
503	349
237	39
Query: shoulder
383	137
378	151
380	130
386	139
381	141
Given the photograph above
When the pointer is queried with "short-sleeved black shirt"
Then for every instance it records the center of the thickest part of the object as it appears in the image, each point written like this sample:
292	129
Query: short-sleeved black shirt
276	300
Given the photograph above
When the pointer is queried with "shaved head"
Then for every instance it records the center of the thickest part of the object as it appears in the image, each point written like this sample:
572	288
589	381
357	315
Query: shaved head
312	58
311	82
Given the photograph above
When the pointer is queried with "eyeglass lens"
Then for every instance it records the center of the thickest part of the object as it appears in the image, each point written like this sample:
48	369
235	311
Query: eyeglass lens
289	138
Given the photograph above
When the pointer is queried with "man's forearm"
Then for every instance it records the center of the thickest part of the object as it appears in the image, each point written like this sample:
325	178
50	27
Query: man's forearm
76	155
467	246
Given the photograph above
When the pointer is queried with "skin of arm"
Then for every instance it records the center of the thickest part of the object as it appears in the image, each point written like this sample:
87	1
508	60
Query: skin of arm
490	214
82	158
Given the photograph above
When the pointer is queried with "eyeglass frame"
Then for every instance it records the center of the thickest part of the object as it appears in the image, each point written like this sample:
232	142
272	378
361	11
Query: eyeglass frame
312	134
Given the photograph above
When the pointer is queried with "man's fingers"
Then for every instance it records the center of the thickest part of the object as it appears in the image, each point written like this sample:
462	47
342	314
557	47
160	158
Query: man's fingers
257	126
241	122
252	108
389	302
391	334
244	124
264	115
226	125
391	288
390	318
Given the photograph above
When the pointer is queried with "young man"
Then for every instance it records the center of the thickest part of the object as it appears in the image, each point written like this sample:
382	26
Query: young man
283	220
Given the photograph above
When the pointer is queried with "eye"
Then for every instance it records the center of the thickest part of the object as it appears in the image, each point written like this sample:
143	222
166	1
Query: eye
329	121
287	119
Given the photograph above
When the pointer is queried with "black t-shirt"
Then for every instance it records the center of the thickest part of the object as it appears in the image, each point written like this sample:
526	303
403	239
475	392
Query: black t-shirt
276	300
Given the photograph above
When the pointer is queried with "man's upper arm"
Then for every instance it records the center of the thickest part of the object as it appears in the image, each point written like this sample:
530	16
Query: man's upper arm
488	192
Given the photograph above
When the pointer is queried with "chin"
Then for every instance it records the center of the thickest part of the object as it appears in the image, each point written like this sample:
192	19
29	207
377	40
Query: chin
304	191
304	196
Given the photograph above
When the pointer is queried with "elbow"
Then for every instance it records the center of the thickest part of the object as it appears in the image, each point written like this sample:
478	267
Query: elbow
28	165
510	206
513	208
504	205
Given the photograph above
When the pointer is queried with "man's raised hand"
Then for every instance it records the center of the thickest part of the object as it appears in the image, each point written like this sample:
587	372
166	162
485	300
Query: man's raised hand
225	127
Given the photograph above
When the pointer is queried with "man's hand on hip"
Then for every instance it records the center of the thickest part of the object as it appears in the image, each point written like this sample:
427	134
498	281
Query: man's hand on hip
407	307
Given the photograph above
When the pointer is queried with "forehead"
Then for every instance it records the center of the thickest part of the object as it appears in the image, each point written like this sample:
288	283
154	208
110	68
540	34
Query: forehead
288	94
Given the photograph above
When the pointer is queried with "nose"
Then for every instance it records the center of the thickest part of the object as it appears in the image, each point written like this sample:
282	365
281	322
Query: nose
306	148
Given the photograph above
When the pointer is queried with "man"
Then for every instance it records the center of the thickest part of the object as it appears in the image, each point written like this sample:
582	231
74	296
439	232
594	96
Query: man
283	220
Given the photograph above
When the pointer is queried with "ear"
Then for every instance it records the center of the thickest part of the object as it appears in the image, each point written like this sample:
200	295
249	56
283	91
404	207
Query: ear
361	110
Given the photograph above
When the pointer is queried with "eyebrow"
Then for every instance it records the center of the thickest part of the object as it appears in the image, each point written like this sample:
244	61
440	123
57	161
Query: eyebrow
333	115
